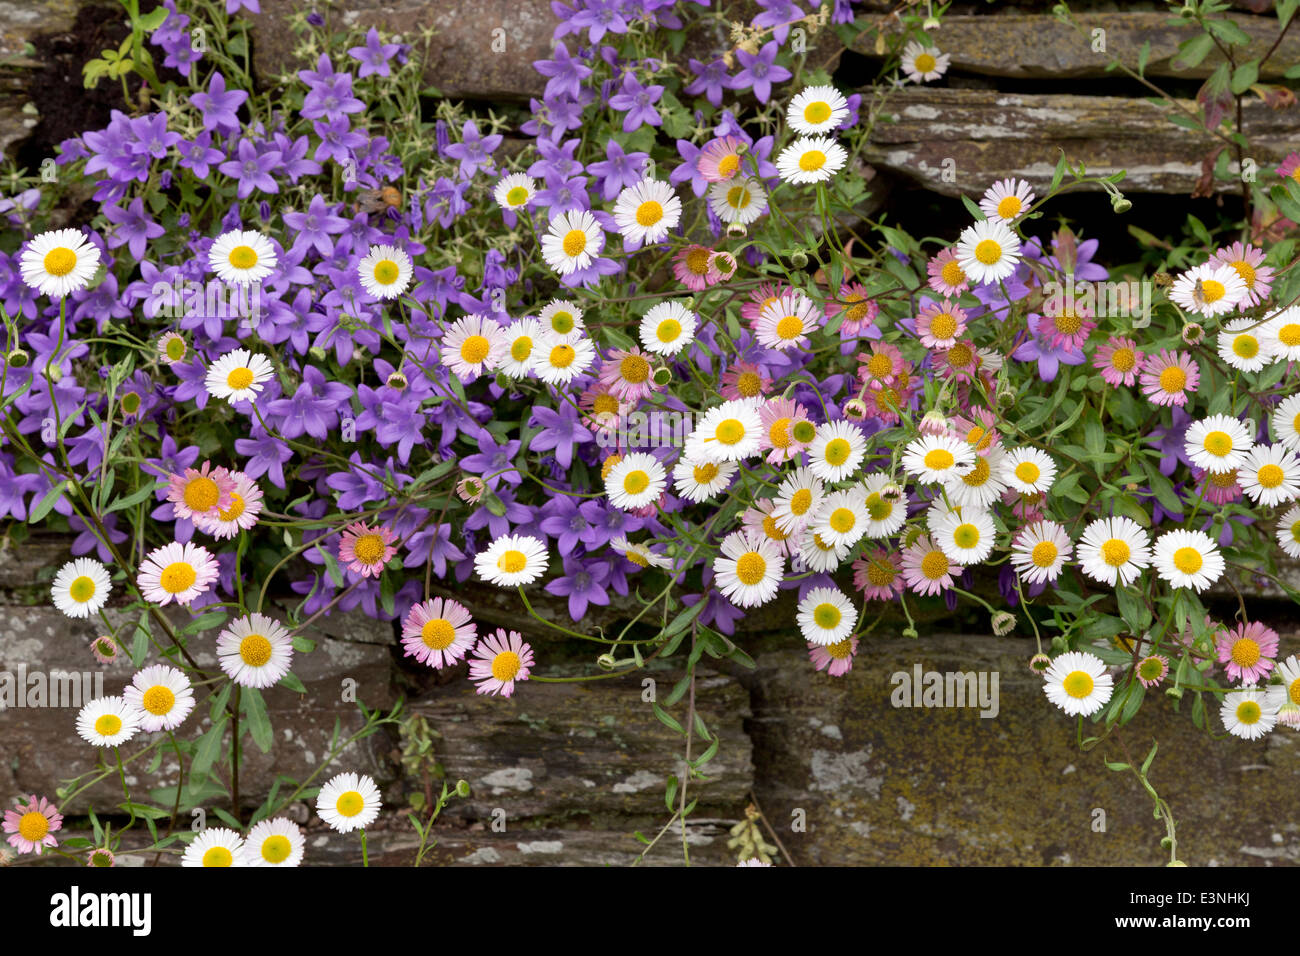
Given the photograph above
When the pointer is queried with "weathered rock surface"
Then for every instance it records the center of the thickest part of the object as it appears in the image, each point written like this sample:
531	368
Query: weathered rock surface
960	141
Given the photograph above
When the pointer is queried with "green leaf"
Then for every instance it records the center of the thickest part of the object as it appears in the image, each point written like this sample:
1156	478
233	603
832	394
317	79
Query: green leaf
1144	54
293	683
205	622
153	19
1146	764
667	719
973	208
1192	51
1228	32
671	792
209	747
132	499
1245	76
259	724
1285	11
46	503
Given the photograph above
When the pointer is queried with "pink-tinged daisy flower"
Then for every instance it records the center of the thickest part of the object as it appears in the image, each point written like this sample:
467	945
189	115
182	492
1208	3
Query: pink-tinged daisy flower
1027	507
787	323
1152	670
470	490
946	274
958	363
365	550
602	410
878	574
1118	360
105	649
1248	261
722	266
745	380
499	661
1040	551
885	401
1218	488
627	374
940	324
438	632
163	696
767	293
244	509
882	364
691	267
1211	289
926	569
1247	652
783	432
474	345
836	659
1168	377
33	825
979	430
1067	329
720	160
198	492
255	651
177	572
1290	167
1007	199
758	521
859	311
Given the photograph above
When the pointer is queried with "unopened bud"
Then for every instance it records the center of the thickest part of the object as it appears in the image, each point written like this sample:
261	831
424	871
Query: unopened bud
855	409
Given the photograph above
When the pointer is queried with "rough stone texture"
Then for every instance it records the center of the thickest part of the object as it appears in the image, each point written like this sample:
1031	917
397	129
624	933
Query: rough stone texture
994	45
20	22
991	135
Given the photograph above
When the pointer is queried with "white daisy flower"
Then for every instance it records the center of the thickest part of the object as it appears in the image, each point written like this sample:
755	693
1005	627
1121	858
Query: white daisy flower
1281	334
1286	422
561	318
739	200
242	257
667	328
645	212
1246	713
58	263
700	480
1078	683
81	587
238	376
939	509
966	538
1242	346
349	802
885	515
255	651
988	251
277	842
811	159
558	360
1007	199
1218	443
639	553
474	345
924	63
938	458
514	191
982	485
107	722
837	451
1210	289
1289	671
784	322
749	569
1114	549
385	271
1040	551
1029	470
1187	559
842	518
727	432
826	616
636	481
512	560
816	109
818	555
1288	531
572	241
215	846
163	696
1270	475
797	500
521	340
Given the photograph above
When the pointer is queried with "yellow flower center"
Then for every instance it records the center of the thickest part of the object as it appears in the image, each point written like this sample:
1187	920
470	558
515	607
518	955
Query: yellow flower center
649	213
1173	379
512	562
1123	360
1067	323
1028	472
82	589
575	241
749	384
837	451
939	459
779	433
943	326
966	536
812	160
1270	476
772	531
437	634
842	520
562	356
276	848
791	327
827	616
239	378
1218	443
728	165
158	700
952	273
934	565
521	348
817	112
1115	552
880	573
1294	691
517	196
751	567
1078	684
60	261
201	494
608	465
737	197
634	369
840	649
243	257
106	725
255	650
668	330
801	501
1289	334
349	804
879	365
505	666
925	63
1009	207
386	271
475	349
636	482
730	431
563	322
697	261
218	856
1245	653
877	507
603	404
1188	560
33	826
1248	712
1245	346
1223	479
1044	554
369	548
988	251
1212	290
978	475
959	356
1246	271
177	577
705	474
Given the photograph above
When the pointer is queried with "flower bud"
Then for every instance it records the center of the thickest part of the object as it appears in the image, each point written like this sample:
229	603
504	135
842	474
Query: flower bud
1004	622
17	358
662	376
1119	203
799	259
462	788
855	409
804	431
606	662
1039	663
